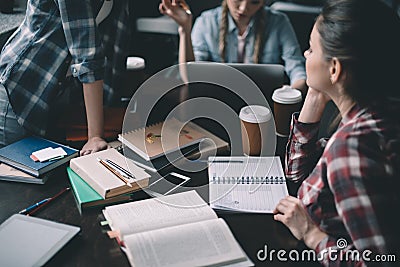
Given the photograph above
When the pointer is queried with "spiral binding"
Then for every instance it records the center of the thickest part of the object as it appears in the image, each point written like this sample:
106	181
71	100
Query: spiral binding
142	128
248	180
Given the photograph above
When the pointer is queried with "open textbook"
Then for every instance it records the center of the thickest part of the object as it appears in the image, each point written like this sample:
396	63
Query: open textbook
246	184
175	230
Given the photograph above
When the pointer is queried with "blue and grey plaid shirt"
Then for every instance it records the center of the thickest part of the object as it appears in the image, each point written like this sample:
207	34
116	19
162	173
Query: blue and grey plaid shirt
55	35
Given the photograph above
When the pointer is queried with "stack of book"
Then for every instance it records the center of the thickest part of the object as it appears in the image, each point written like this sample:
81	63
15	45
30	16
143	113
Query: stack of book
103	178
158	146
33	159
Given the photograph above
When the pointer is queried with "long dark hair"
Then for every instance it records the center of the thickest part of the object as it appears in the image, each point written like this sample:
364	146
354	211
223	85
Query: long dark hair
364	36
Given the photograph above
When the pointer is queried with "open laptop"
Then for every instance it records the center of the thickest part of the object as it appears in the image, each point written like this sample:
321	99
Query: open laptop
267	77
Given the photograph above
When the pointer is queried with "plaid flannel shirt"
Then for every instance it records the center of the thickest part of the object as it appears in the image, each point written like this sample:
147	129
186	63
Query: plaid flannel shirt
55	36
348	183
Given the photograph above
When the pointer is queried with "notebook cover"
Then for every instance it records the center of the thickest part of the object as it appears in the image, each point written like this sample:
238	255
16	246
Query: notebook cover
162	138
86	196
18	155
104	182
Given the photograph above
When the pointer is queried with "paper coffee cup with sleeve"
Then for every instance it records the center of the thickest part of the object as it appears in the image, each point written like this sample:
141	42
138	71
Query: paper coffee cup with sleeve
286	101
257	130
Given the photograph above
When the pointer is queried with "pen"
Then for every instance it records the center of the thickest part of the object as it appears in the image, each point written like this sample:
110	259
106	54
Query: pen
184	6
121	169
34	206
114	171
49	200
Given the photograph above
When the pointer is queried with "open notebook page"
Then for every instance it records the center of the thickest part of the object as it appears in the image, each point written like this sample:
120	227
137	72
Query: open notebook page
246	184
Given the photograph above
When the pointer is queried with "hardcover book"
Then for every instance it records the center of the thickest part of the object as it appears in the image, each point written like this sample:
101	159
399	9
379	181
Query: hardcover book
18	155
102	179
9	173
86	197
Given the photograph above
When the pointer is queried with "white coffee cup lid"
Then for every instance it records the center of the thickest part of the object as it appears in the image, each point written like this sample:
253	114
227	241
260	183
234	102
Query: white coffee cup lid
255	114
286	95
135	63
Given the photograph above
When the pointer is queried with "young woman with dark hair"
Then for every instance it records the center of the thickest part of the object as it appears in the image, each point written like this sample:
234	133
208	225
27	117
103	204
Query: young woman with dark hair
350	182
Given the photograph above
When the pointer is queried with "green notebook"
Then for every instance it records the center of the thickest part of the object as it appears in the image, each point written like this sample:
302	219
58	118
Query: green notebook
86	196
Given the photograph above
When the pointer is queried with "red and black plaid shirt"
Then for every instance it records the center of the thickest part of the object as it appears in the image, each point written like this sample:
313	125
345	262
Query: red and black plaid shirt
349	184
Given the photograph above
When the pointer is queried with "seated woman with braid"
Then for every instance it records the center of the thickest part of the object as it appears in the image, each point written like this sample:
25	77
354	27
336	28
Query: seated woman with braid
239	31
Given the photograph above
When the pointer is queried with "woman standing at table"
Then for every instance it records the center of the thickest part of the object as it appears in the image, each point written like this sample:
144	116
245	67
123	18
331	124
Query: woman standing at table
55	36
350	182
243	31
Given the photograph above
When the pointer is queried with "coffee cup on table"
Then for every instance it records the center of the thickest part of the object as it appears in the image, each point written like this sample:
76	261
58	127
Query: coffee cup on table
255	126
286	101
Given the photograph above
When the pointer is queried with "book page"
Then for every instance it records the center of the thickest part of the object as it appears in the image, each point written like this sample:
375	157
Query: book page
198	244
247	184
149	214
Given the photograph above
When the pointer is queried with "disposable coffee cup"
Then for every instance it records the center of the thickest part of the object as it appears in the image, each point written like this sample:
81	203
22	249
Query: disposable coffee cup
255	124
286	101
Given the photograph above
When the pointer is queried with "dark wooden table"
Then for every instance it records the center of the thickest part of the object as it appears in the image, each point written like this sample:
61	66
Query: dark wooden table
92	247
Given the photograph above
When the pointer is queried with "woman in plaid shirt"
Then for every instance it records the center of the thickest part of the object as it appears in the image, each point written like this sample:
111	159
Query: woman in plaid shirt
350	182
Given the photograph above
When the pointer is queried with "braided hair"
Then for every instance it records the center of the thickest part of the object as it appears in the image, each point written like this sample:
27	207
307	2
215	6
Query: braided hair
260	20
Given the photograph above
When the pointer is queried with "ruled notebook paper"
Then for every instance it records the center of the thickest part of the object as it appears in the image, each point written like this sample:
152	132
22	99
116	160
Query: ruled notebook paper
246	184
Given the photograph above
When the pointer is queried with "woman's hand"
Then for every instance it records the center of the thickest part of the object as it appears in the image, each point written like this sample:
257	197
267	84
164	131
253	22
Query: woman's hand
94	144
175	10
290	211
320	96
314	106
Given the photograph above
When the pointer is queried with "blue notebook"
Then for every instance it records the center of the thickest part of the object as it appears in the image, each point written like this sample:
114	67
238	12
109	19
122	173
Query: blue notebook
18	154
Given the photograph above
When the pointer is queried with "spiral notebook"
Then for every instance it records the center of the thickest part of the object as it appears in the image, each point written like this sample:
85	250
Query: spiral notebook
161	138
246	184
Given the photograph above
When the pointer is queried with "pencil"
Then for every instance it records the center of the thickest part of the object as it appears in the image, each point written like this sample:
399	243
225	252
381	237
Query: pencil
115	172
50	200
